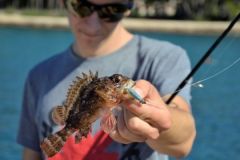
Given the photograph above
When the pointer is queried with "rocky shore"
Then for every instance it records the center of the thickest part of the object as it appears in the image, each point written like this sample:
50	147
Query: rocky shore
149	25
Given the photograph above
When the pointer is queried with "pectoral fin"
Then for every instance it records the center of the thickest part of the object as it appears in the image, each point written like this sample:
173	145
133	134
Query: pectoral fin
108	122
59	115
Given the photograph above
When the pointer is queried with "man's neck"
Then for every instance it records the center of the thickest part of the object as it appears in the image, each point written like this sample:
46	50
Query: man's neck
114	42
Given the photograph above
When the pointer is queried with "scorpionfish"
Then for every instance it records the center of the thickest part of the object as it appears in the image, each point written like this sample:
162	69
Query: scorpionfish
88	99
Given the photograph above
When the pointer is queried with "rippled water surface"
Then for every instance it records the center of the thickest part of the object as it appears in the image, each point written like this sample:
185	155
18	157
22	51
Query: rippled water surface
215	106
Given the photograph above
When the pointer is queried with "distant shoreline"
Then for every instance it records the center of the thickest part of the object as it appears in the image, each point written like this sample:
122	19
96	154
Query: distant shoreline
146	25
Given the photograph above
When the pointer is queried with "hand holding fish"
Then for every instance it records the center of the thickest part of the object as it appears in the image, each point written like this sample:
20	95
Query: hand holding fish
139	122
165	128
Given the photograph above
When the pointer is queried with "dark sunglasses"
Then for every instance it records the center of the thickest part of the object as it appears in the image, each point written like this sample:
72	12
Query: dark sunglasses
112	12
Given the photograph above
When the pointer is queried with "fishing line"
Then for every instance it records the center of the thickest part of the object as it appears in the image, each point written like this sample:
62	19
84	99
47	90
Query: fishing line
205	56
198	83
219	72
208	77
195	84
213	61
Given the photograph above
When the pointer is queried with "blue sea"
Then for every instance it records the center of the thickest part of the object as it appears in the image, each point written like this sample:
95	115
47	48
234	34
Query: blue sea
215	104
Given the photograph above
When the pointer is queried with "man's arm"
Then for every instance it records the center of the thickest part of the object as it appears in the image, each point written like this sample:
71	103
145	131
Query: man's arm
178	139
29	154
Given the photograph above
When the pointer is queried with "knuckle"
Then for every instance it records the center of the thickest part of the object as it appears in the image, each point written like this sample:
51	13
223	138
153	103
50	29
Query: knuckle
153	134
167	122
133	124
167	125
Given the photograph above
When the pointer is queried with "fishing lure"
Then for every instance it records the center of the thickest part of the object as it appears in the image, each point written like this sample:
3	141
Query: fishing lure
135	95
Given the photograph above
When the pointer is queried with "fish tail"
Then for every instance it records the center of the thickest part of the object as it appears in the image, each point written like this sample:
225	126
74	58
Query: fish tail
52	144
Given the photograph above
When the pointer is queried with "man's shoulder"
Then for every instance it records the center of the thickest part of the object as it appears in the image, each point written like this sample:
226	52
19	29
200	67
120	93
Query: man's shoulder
47	65
153	43
157	48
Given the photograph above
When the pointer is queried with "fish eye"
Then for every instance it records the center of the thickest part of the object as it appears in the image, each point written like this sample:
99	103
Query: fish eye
116	78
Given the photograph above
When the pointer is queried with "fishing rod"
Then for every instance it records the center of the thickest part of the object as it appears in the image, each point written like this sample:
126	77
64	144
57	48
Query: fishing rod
193	71
203	59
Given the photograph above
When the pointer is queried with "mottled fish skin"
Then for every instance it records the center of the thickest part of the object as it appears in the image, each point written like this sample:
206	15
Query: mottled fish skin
86	99
60	113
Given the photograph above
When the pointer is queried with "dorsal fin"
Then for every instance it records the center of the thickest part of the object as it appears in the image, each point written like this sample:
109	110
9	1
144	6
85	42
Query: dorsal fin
76	87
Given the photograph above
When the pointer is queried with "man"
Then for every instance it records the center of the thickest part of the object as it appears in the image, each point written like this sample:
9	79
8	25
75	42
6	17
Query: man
102	44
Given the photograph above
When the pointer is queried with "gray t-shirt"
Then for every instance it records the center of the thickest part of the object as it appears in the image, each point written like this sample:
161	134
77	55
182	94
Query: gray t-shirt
163	64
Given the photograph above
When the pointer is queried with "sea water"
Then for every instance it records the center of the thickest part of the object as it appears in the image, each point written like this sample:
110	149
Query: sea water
215	105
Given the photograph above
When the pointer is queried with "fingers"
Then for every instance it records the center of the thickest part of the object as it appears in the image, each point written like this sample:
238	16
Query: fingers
157	116
133	129
155	110
118	138
147	91
123	133
139	122
139	126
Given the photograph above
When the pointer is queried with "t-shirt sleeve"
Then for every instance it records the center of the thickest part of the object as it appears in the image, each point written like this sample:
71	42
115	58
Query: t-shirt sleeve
174	68
27	133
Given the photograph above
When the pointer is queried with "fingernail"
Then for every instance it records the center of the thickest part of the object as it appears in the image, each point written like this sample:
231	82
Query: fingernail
132	105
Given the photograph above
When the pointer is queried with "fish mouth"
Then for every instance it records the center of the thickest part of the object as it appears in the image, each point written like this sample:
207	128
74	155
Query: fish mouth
129	84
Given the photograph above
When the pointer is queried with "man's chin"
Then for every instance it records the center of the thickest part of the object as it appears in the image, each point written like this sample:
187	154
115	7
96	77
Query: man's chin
92	41
90	37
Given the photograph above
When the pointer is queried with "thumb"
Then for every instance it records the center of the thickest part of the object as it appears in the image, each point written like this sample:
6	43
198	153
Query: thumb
148	92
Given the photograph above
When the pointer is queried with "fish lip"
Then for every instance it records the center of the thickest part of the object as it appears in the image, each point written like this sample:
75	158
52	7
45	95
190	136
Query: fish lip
128	85
133	84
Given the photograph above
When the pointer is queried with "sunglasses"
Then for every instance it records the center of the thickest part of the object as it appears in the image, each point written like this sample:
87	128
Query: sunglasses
112	12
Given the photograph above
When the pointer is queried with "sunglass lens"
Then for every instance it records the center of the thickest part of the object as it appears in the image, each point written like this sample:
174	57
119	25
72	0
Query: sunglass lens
113	12
82	10
112	18
110	12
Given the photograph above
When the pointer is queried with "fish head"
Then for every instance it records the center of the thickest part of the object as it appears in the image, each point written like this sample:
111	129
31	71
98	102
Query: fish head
122	84
114	89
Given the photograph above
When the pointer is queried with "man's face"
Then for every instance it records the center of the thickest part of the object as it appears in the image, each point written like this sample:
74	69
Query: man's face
92	29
